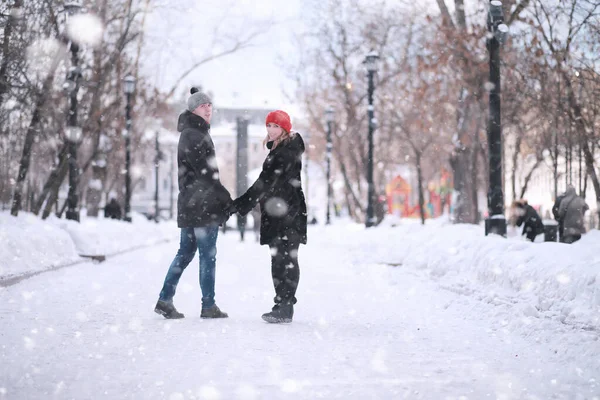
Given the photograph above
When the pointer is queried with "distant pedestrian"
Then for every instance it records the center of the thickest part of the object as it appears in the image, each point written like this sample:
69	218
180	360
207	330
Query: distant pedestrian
527	216
569	211
112	209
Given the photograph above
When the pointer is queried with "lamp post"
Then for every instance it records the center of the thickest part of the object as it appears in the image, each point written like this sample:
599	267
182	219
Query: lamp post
129	88
72	132
329	118
496	222
241	175
157	159
172	185
371	65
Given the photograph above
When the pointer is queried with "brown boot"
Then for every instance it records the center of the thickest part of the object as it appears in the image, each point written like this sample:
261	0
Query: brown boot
167	310
213	312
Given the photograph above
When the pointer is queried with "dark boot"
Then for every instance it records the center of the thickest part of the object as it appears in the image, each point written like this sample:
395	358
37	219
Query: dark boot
167	310
213	312
281	314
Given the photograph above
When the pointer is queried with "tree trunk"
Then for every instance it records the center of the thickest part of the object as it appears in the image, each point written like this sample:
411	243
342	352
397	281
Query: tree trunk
461	166
54	189
53	179
538	162
95	190
580	125
349	191
420	184
515	162
10	23
475	178
28	145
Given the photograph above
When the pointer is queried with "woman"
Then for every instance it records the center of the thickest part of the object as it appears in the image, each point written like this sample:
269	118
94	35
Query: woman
525	214
278	190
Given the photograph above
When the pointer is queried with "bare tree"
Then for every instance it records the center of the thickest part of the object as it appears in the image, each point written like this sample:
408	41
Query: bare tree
463	39
569	50
331	72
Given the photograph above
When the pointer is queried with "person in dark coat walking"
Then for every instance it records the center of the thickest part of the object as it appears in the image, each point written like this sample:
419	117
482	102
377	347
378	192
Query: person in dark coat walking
525	214
112	209
202	206
569	211
283	220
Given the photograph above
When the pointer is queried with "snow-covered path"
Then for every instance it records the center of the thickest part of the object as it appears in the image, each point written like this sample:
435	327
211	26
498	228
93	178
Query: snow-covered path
362	330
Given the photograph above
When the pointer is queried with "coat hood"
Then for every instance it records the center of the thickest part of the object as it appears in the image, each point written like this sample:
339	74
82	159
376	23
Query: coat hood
294	144
570	191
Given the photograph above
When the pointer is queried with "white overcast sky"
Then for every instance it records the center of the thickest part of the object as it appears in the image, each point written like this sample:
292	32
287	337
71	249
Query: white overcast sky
180	32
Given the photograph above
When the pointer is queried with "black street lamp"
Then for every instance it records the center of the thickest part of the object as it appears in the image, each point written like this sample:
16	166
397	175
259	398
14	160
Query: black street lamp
496	222
129	88
241	174
371	64
73	133
158	157
172	183
329	119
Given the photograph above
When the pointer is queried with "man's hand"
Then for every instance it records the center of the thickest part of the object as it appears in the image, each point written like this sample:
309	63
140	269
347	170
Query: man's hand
230	210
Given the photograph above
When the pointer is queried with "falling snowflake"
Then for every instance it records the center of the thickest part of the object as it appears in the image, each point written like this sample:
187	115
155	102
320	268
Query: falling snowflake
85	29
209	393
212	162
276	207
290	386
44	55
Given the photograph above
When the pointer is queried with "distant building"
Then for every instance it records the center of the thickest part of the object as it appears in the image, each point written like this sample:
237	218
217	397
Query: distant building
224	134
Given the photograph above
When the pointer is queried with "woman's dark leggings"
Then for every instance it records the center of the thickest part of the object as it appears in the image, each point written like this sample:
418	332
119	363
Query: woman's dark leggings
285	270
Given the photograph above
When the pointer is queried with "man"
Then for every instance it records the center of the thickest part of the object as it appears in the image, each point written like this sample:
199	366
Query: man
570	210
201	207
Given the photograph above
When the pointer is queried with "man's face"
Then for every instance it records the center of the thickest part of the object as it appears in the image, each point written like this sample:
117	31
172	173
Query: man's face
204	111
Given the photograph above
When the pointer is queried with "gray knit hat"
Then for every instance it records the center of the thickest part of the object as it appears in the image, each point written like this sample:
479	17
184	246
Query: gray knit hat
196	99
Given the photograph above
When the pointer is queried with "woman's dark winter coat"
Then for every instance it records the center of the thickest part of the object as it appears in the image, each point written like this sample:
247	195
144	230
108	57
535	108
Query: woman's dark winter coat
278	189
533	223
202	200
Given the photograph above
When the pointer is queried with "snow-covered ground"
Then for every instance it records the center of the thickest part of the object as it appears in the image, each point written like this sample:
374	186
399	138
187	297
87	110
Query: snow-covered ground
434	312
29	245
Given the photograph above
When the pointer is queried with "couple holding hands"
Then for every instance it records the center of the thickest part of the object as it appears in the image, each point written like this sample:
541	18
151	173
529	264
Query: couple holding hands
204	204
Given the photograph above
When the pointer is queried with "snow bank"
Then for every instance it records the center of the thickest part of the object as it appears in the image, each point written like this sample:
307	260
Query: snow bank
28	244
93	236
541	280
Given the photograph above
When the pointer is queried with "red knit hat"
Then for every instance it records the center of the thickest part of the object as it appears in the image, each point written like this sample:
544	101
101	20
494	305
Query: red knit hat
280	118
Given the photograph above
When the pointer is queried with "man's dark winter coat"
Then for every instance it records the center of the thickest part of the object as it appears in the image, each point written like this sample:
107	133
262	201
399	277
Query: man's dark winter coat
202	200
278	189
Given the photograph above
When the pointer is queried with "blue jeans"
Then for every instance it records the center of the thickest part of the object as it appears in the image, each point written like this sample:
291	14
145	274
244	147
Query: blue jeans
205	239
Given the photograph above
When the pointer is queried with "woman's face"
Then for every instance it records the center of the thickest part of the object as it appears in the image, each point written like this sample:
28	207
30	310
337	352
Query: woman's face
274	131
